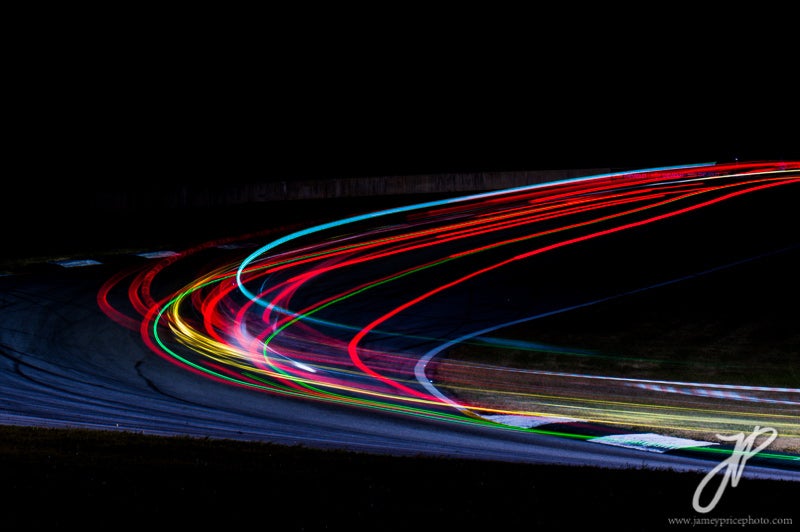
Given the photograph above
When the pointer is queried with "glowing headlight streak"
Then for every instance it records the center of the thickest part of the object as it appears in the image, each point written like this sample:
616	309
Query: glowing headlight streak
266	323
353	345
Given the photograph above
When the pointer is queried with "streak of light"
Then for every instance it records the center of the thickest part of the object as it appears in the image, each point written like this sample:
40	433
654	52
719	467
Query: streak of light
349	318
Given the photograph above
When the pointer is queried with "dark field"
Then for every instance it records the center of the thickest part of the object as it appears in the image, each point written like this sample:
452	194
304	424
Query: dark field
101	480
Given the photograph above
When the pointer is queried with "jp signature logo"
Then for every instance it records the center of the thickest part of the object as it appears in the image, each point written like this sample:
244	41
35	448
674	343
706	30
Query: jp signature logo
734	465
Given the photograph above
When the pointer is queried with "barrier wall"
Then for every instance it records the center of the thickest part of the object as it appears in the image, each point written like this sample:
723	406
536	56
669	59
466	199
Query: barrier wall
221	194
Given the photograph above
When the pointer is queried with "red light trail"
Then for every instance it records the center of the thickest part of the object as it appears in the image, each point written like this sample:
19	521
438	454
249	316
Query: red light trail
351	311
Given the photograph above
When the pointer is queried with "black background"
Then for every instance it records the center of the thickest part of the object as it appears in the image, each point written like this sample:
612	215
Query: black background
119	99
139	100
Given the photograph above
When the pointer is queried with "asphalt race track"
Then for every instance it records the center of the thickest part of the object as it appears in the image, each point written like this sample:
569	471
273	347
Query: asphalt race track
326	337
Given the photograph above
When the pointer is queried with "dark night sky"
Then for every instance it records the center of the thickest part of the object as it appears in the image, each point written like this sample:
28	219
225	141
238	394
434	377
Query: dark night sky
193	140
120	107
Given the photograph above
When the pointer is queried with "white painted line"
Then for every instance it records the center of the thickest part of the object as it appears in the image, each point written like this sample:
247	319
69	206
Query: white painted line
527	422
76	263
157	254
657	443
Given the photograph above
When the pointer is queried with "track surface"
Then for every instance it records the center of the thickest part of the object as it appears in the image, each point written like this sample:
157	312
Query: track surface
325	337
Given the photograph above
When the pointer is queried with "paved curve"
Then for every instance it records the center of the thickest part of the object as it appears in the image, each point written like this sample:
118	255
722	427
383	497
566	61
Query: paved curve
64	363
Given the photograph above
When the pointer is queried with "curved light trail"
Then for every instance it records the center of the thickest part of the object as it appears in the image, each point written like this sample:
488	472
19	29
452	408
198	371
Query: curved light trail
354	311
